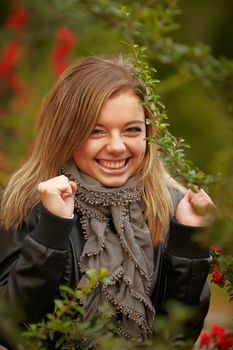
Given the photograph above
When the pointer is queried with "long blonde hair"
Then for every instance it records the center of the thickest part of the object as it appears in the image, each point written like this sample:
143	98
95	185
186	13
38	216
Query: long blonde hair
68	115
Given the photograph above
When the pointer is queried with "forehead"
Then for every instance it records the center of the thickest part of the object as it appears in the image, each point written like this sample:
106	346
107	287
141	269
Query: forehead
123	107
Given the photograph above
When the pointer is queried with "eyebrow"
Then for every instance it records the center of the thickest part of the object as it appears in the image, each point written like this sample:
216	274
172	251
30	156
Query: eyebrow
127	124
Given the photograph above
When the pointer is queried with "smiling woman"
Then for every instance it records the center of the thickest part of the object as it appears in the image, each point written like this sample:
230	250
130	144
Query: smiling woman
116	147
95	194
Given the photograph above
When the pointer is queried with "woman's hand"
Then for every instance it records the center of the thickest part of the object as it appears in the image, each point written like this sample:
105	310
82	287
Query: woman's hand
57	195
195	209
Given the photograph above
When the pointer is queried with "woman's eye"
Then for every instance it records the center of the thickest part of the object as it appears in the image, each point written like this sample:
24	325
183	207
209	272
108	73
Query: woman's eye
134	130
97	132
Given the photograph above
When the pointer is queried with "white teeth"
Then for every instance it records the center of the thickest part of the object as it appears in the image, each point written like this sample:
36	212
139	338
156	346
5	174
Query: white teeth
110	164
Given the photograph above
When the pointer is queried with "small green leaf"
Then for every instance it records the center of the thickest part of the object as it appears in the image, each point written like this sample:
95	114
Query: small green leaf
59	304
92	273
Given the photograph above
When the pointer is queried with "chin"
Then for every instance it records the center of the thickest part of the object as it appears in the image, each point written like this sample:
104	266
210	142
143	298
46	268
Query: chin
114	183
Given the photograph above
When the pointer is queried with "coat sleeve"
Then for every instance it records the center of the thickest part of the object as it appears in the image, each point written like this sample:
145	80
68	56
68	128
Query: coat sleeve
184	267
32	264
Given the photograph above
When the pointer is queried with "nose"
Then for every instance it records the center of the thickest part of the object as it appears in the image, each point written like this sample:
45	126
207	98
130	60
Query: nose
115	145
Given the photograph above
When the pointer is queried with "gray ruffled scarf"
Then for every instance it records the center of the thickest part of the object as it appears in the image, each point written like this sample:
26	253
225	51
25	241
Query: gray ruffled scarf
117	238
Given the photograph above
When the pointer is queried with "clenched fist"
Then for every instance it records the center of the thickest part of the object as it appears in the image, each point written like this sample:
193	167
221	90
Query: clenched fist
57	195
195	209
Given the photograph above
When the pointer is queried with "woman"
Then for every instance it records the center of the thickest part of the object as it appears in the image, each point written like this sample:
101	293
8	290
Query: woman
94	193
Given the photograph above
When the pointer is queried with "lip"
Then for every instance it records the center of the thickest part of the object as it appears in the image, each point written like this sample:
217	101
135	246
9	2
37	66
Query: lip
114	171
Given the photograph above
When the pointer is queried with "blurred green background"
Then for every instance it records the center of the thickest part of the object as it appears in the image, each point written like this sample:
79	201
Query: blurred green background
190	46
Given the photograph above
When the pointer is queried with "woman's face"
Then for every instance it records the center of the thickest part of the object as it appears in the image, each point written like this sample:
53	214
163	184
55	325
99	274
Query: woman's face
116	146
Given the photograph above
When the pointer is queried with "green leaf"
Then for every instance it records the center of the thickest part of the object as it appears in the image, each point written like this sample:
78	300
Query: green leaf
92	274
60	342
59	304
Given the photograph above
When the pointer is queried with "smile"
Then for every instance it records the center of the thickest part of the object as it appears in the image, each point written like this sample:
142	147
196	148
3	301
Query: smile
112	164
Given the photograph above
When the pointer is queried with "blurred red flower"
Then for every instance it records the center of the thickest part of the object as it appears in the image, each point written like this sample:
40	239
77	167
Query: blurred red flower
218	278
59	52
59	67
218	338
65	41
10	57
214	264
224	342
66	36
217	250
18	19
217	330
204	339
12	52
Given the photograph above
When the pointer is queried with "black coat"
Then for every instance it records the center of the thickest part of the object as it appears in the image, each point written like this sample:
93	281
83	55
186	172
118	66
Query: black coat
39	257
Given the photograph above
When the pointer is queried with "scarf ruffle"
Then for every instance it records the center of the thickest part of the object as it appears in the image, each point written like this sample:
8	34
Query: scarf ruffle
117	238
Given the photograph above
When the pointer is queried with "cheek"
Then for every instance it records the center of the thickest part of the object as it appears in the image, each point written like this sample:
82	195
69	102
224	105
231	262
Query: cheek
87	151
139	148
77	155
80	154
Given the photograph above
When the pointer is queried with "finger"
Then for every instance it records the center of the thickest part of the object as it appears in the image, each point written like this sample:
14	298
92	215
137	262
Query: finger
200	198
66	195
43	187
59	184
201	202
73	186
188	195
206	194
70	191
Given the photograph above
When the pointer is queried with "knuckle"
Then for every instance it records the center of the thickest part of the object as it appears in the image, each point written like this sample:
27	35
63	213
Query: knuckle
63	177
40	187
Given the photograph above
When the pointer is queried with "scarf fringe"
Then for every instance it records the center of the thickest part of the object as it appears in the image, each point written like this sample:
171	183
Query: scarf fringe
103	197
121	231
84	223
127	335
131	314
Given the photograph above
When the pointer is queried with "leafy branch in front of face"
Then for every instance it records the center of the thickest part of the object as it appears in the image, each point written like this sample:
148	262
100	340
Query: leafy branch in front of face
171	150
